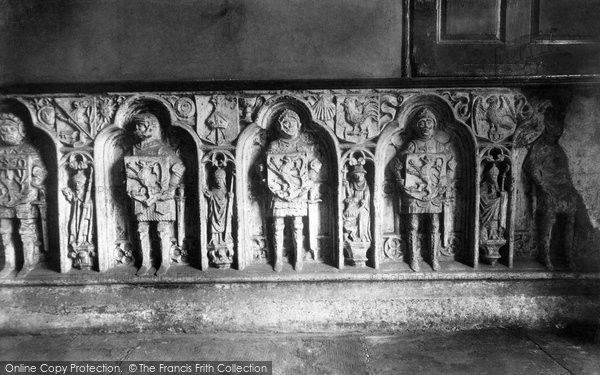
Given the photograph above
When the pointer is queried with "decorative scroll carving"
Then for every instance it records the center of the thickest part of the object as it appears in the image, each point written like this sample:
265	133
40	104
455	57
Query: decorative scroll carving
461	103
393	248
424	170
357	210
81	216
220	198
154	173
22	197
357	118
493	203
184	108
291	169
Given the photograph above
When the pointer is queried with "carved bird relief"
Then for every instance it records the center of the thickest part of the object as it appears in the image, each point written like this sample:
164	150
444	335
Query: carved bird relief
494	119
359	113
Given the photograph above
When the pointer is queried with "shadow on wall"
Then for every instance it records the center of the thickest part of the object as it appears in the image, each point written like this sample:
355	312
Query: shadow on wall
563	164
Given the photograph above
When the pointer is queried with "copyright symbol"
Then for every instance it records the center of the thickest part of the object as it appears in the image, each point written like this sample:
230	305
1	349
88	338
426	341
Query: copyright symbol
132	368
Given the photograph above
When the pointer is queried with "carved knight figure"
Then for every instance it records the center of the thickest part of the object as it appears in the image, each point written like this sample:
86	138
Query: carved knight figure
424	169
220	207
357	214
493	205
79	196
292	167
22	195
154	175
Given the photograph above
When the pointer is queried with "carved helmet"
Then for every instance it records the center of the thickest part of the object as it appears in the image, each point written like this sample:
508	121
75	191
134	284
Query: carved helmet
426	113
152	122
9	117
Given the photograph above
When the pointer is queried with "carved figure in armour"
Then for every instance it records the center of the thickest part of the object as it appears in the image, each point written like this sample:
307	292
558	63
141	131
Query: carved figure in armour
554	193
424	170
154	175
292	167
79	196
492	215
220	207
22	195
357	215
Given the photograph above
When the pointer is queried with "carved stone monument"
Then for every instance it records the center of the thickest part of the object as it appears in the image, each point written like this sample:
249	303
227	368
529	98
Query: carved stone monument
424	170
357	213
22	197
291	167
154	174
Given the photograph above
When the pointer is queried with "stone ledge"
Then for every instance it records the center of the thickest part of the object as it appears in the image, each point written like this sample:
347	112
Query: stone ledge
282	304
315	272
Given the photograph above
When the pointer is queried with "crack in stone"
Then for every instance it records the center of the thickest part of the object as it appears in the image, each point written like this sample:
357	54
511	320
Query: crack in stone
365	349
547	353
127	354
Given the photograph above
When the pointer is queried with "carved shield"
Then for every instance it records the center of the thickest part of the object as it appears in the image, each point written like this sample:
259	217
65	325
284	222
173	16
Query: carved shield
147	174
425	175
287	175
15	179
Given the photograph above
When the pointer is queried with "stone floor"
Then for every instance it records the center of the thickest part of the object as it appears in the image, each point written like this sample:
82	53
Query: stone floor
497	351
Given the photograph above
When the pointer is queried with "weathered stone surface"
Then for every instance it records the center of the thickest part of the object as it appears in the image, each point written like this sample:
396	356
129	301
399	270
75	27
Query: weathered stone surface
297	305
498	351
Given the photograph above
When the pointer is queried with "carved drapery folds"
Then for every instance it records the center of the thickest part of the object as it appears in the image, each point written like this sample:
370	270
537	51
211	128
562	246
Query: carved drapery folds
356	214
79	195
403	178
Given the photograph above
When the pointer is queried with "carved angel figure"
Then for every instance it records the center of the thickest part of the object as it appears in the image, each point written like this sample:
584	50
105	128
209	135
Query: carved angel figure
154	175
22	195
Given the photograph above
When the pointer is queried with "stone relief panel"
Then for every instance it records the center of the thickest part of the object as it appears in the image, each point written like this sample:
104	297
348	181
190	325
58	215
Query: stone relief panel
147	161
23	215
218	119
218	208
410	178
292	168
357	206
78	170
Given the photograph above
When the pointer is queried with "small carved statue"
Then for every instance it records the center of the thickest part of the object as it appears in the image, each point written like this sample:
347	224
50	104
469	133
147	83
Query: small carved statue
79	196
292	167
493	205
220	207
357	214
154	175
424	170
22	195
554	193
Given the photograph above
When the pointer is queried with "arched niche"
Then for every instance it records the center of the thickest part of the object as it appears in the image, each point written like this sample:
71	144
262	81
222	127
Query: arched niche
322	225
357	209
116	221
462	241
53	248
